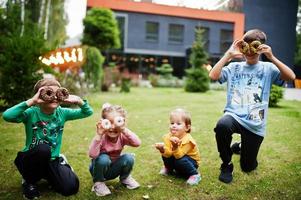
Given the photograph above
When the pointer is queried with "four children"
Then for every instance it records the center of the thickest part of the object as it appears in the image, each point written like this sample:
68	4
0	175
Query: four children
248	93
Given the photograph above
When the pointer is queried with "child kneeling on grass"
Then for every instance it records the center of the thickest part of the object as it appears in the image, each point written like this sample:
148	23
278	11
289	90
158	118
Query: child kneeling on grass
179	151
44	121
106	147
248	90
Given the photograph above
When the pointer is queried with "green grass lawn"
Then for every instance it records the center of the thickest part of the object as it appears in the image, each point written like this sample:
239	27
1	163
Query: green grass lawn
277	177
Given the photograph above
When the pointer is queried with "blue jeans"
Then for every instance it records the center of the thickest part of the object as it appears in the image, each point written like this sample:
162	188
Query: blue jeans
102	168
185	166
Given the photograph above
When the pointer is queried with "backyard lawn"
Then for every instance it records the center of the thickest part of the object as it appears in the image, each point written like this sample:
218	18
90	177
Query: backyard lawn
277	177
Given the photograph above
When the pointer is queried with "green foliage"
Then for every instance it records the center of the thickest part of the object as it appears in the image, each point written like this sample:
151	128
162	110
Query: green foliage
125	85
161	81
275	95
19	55
101	29
93	67
199	56
57	34
165	70
197	77
197	80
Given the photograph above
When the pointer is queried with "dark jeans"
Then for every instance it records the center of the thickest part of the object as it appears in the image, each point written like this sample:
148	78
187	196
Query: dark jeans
102	168
35	164
250	143
185	166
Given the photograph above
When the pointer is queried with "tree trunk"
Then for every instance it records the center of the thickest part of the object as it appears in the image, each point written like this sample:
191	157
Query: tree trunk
41	12
22	16
47	19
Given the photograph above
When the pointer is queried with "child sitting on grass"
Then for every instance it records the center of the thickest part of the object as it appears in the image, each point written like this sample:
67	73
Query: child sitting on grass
106	147
179	151
44	121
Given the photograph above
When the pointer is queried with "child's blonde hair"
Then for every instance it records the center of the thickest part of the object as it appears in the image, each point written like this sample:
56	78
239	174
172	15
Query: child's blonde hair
108	108
45	82
185	116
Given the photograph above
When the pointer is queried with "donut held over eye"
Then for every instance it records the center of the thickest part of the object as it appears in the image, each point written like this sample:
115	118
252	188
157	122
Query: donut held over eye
62	94
243	47
254	46
119	121
106	124
47	94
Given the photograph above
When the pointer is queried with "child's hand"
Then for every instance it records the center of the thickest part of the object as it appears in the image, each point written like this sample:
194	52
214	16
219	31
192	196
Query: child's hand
73	99
35	99
266	50
160	146
99	129
176	142
233	51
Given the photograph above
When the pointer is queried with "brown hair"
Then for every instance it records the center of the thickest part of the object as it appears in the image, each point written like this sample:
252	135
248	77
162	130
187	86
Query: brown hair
255	34
112	108
45	82
185	116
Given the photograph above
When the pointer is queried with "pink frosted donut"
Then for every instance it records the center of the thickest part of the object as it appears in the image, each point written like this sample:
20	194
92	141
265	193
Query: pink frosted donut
119	121
106	124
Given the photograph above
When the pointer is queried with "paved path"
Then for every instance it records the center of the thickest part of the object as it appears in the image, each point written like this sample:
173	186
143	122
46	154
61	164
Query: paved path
292	94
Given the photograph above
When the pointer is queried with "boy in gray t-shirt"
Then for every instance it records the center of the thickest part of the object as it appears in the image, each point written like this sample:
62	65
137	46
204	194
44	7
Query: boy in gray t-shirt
248	91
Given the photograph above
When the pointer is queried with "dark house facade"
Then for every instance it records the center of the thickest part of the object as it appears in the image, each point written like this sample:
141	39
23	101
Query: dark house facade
154	34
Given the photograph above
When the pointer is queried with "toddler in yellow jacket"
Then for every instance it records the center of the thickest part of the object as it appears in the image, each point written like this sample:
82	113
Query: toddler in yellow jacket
179	151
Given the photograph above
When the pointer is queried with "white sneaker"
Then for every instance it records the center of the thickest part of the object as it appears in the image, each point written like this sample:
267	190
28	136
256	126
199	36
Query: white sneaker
130	182
100	189
194	179
164	171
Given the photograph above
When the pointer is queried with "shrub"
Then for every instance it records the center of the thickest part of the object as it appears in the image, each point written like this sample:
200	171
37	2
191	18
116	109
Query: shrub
93	67
20	67
197	77
165	70
275	95
197	80
162	81
125	85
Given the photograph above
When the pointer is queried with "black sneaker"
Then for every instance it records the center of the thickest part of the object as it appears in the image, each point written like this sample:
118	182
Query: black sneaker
30	191
226	174
235	147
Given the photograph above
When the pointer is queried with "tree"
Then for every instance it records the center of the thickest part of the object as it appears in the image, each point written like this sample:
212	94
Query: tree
197	77
101	29
93	67
51	17
19	53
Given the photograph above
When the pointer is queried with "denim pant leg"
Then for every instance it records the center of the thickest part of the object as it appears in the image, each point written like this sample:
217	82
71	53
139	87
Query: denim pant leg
100	167
186	166
121	167
169	163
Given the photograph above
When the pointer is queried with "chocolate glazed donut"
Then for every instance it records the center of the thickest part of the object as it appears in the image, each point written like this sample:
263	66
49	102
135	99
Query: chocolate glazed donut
62	94
47	94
